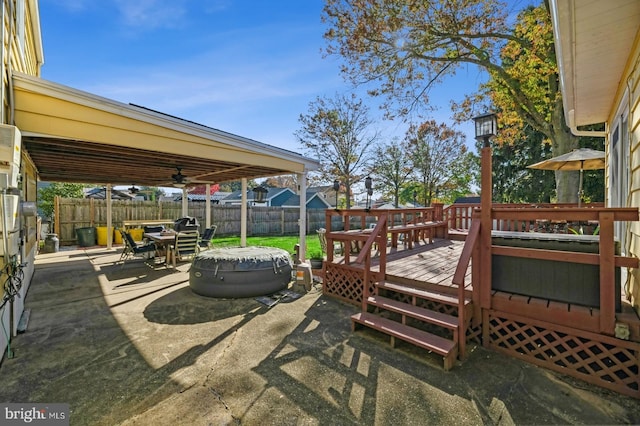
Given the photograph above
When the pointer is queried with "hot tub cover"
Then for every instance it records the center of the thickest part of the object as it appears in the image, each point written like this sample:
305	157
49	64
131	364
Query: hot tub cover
240	271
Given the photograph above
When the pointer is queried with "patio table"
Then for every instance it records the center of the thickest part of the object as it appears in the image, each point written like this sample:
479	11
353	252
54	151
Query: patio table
162	240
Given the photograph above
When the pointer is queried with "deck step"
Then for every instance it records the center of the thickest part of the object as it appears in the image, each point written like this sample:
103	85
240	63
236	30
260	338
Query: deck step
434	296
426	315
447	348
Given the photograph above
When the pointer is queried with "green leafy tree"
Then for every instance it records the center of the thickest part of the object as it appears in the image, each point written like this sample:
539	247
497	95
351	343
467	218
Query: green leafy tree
434	150
391	170
406	47
47	194
464	171
236	185
339	133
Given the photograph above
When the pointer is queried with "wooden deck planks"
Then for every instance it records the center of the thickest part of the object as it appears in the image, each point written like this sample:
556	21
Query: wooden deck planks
431	263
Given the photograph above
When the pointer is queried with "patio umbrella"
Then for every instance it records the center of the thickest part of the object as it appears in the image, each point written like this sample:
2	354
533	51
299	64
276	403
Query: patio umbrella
579	159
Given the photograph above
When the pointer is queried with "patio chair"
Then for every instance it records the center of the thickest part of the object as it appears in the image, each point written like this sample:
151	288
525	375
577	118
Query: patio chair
205	240
337	246
185	245
133	249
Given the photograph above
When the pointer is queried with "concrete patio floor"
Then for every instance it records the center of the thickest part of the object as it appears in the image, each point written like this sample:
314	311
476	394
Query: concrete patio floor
134	346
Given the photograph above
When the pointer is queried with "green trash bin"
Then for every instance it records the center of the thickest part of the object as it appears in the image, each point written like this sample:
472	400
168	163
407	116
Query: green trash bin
86	236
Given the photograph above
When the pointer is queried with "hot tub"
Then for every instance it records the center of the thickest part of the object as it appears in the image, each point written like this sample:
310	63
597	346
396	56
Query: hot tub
240	271
567	282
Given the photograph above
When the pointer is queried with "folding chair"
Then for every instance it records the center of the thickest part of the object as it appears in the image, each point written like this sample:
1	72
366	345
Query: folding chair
132	249
205	240
185	245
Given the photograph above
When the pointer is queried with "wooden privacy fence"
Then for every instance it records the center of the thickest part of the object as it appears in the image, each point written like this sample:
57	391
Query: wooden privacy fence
73	213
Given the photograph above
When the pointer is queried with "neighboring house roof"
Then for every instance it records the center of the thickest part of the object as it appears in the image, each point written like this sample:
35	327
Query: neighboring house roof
280	197
236	196
215	198
314	201
593	40
467	200
101	193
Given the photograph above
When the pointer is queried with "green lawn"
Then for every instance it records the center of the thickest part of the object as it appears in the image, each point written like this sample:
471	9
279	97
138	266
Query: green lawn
286	243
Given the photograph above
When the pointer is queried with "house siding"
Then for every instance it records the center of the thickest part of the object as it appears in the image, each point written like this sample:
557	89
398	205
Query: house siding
24	57
631	83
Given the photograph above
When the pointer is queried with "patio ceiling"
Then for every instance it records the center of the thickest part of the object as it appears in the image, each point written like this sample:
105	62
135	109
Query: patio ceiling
74	136
593	41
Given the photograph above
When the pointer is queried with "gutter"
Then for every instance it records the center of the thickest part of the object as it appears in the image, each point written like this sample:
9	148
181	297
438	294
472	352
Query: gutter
589	133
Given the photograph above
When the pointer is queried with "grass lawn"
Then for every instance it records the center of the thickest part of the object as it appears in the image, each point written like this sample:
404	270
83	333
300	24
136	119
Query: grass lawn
284	242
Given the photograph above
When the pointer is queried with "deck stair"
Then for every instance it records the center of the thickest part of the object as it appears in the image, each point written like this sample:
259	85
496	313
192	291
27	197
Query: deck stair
394	309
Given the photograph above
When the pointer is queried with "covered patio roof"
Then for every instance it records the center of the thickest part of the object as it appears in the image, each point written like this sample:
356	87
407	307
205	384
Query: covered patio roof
593	41
75	136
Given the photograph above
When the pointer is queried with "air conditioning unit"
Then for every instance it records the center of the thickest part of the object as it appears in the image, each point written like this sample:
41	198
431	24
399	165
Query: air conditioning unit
10	147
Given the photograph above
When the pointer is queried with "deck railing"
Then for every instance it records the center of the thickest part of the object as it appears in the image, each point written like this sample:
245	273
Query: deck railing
459	217
357	231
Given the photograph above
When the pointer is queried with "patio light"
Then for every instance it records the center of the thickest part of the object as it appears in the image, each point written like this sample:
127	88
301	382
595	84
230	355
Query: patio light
368	186
336	187
260	194
486	127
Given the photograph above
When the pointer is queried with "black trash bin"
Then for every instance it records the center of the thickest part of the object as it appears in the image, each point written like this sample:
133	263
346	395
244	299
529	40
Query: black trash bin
86	236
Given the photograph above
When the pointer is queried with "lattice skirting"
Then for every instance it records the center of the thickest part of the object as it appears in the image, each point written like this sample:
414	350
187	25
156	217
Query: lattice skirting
601	360
345	283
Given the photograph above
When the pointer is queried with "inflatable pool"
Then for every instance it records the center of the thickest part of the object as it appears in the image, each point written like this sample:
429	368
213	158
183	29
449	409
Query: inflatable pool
236	272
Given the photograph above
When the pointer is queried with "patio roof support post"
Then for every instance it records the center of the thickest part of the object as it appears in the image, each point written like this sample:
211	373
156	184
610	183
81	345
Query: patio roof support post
185	203
109	217
302	223
243	213
207	207
485	228
607	274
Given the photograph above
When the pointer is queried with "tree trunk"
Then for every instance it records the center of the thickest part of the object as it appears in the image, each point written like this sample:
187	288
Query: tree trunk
566	182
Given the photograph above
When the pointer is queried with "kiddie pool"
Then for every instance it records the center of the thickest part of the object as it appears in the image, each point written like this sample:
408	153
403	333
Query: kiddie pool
236	272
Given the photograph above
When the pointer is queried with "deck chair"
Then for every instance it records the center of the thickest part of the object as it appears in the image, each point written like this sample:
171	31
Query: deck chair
133	249
185	245
337	246
205	239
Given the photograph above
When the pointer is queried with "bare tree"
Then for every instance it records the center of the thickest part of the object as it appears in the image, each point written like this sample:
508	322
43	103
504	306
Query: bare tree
339	133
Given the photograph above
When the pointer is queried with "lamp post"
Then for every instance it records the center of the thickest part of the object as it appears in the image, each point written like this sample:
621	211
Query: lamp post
415	196
336	187
486	126
260	194
368	185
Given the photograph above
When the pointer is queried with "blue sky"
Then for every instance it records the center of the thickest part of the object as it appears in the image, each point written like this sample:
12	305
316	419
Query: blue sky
242	66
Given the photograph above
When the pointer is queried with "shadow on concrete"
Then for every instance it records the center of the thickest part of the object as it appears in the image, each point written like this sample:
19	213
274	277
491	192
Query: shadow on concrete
153	352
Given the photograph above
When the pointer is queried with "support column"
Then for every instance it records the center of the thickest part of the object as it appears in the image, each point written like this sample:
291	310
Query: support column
243	213
302	190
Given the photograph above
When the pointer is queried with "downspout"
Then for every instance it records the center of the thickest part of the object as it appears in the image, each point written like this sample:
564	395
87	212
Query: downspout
588	133
2	69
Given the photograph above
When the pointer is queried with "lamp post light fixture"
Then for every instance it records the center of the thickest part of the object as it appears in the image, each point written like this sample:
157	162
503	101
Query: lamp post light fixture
336	187
486	127
260	194
368	185
415	196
